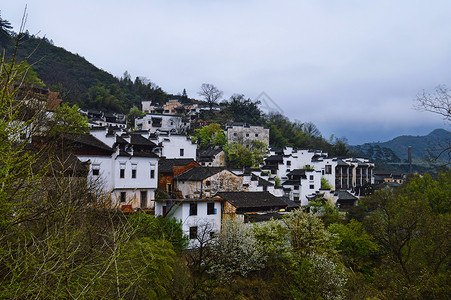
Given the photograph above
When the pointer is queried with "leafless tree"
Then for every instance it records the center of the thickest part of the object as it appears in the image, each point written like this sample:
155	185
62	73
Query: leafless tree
210	93
439	103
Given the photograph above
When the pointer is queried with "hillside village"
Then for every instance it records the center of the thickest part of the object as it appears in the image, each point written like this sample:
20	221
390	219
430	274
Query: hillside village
155	166
186	199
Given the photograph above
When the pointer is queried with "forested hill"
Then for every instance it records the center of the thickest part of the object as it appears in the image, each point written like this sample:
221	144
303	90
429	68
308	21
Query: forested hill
395	150
79	81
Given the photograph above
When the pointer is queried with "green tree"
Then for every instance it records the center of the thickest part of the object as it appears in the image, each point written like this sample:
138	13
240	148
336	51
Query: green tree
68	119
355	245
210	136
134	113
411	227
244	110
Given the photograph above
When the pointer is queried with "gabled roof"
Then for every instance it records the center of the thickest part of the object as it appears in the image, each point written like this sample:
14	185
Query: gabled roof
199	173
291	204
207	154
341	163
261	181
275	158
246	200
345	195
87	139
137	139
167	165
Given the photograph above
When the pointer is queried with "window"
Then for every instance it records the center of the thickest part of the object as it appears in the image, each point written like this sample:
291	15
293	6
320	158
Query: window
95	169
296	198
312	186
208	183
123	197
169	187
152	173
328	169
193	209
134	166
212	234
256	135
122	173
311	177
288	163
193	232
247	134
296	187
182	152
211	209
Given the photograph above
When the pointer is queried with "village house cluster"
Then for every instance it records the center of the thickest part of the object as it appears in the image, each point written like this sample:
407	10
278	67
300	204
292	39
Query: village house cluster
156	167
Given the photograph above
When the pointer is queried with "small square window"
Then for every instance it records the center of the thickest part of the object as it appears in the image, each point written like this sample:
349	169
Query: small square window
211	209
95	172
256	135
193	209
247	134
311	177
312	186
193	232
296	187
212	234
288	163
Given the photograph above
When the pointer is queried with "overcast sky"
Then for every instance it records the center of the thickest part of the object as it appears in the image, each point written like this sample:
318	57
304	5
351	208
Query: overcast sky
353	68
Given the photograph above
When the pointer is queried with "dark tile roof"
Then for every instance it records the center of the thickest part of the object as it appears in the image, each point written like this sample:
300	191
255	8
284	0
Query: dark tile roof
261	181
207	154
291	182
137	139
298	172
87	139
275	158
291	204
264	200
341	163
345	195
167	165
199	173
145	154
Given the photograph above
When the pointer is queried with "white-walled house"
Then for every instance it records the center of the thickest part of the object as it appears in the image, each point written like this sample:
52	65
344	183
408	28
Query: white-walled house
348	174
200	218
162	123
175	145
126	171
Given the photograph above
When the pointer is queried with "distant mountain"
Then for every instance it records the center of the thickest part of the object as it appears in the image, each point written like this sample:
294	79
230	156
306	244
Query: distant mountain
395	151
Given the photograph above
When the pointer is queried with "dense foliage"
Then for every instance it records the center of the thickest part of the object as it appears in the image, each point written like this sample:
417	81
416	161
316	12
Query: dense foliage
78	81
